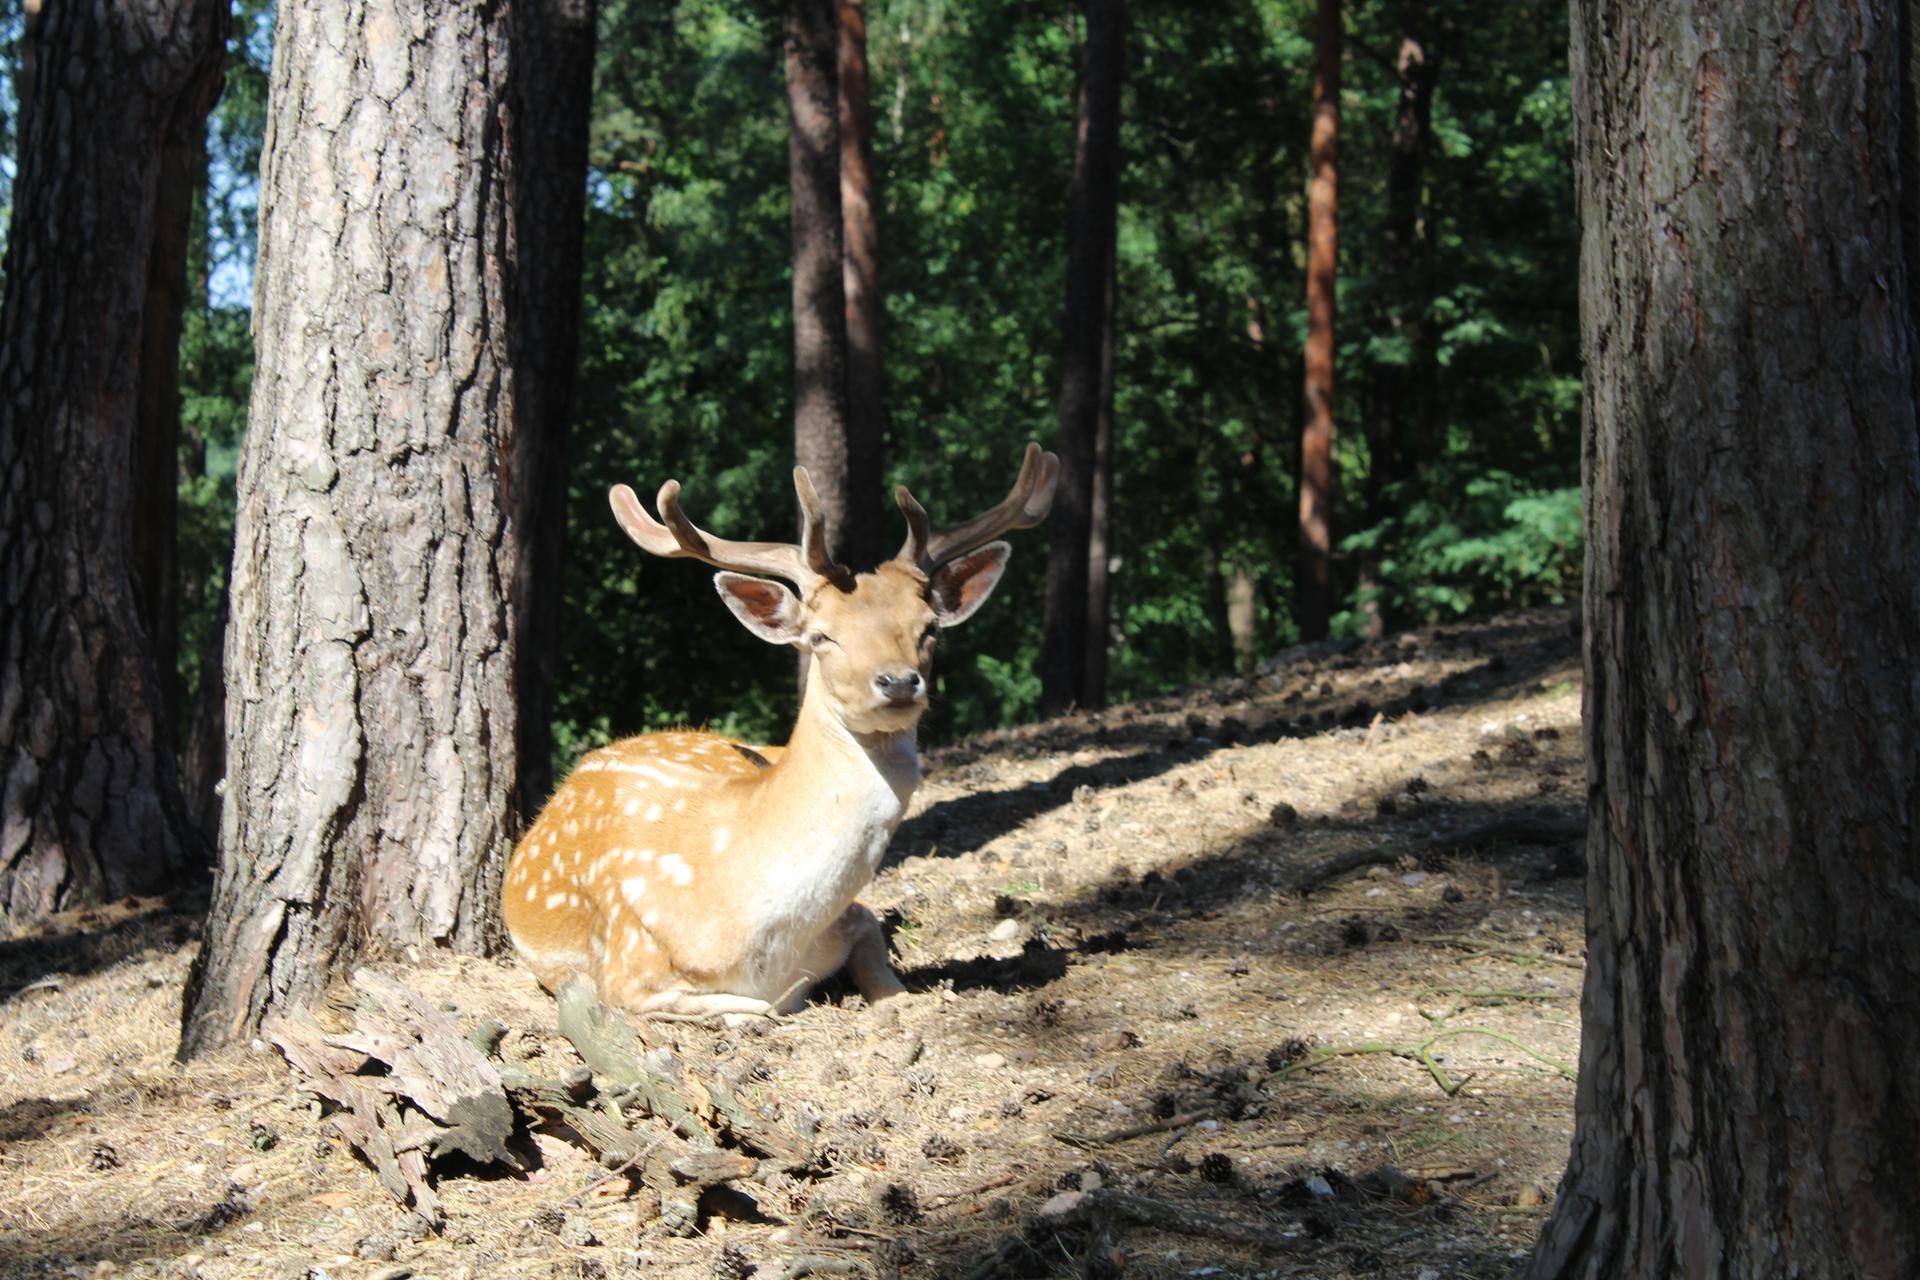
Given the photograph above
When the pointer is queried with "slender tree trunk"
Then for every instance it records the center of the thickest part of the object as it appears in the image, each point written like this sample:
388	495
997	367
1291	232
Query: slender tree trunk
371	733
821	439
1243	603
1091	214
203	736
1405	301
89	805
1100	547
1747	1103
157	438
863	543
552	95
1315	589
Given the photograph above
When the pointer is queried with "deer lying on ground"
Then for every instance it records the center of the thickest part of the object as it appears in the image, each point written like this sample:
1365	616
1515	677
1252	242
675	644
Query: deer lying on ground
684	873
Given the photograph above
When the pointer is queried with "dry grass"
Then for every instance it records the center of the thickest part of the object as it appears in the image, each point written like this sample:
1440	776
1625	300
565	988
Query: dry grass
1152	968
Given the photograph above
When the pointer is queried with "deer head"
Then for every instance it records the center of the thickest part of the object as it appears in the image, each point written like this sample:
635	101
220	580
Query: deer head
871	635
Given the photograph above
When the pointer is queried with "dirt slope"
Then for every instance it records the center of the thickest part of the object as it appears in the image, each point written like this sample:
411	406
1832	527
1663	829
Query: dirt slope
1310	938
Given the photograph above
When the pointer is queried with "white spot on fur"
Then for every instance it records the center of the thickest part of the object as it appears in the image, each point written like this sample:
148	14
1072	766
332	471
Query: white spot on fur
653	813
532	893
649	918
555	900
722	837
635	887
632	807
676	869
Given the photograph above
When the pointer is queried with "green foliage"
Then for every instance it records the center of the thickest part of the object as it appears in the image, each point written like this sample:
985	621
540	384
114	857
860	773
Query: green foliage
685	366
1483	543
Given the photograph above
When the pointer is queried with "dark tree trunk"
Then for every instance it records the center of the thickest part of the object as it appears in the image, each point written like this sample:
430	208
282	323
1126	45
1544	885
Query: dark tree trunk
181	172
1747	1102
551	91
1086	335
89	806
821	440
371	736
1404	302
203	736
1314	593
863	542
1100	510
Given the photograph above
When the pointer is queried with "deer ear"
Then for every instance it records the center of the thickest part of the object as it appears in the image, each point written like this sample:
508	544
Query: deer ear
767	609
960	588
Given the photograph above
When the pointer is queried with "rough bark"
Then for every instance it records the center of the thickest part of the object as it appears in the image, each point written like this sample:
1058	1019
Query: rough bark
1404	303
820	429
1747	1104
89	806
1314	591
1100	541
863	540
370	646
552	95
1085	335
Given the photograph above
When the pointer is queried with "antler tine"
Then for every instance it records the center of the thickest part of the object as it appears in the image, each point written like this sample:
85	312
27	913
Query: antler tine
675	536
1026	505
813	532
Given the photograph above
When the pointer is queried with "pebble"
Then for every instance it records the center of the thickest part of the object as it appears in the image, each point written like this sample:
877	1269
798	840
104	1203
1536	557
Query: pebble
1006	930
989	1061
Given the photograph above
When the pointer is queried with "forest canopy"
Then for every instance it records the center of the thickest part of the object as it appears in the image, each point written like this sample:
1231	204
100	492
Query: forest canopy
686	355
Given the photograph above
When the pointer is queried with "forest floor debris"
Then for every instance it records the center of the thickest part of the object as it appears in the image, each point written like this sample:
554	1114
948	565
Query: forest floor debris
1274	977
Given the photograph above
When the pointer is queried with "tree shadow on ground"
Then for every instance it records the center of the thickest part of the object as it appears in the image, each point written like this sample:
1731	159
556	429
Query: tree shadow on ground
1156	737
76	943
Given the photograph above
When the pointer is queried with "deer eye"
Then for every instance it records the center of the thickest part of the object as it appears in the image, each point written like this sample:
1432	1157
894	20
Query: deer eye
930	634
819	638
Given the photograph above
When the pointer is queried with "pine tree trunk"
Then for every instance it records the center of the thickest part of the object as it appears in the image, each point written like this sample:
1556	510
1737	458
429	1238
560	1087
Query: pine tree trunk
89	806
371	733
863	542
821	442
552	95
1747	1102
157	437
1100	547
1091	213
1314	592
1404	302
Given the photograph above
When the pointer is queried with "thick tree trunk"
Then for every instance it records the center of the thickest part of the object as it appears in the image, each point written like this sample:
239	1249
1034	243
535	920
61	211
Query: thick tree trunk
1314	592
552	96
1085	333
863	542
1747	1102
1404	302
821	442
371	730
88	802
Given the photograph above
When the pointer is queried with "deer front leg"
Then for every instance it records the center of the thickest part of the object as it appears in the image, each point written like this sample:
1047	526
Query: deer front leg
866	956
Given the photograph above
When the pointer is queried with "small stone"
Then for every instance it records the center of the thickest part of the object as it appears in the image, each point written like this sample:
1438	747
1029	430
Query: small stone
989	1061
577	1231
1413	878
1320	1187
61	1063
1005	931
1063	1204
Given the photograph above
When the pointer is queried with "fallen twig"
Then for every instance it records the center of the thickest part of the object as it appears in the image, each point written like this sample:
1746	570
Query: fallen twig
1138	1131
1481	947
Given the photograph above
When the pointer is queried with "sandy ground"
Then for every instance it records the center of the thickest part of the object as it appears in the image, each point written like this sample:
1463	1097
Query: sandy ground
1131	974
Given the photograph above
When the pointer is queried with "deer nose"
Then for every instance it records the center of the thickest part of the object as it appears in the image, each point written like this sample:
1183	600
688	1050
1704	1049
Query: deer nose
898	686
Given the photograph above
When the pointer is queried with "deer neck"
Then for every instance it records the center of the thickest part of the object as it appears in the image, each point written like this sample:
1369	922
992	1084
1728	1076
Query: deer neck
853	787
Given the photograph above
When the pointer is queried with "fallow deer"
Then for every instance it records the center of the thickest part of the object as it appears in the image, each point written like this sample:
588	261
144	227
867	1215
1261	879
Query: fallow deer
686	873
